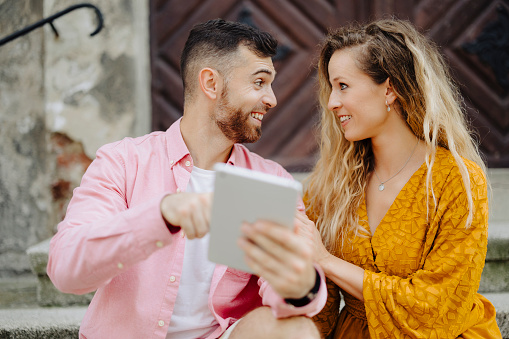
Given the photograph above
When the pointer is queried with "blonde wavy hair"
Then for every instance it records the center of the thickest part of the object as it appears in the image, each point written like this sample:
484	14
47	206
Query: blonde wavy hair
428	100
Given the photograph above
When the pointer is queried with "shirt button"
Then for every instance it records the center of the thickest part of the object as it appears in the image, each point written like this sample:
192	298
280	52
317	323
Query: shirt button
120	265
172	278
188	163
160	323
183	234
178	190
172	162
159	244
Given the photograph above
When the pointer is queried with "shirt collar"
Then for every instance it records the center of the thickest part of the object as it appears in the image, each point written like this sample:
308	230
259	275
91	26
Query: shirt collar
177	148
175	145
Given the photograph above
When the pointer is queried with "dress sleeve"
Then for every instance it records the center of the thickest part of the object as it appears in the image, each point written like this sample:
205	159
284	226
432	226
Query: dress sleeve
100	236
437	300
327	319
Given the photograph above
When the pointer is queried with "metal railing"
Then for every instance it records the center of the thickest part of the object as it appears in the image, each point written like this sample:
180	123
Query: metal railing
50	20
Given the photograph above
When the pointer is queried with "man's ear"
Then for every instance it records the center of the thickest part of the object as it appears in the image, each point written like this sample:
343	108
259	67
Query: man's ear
210	82
390	94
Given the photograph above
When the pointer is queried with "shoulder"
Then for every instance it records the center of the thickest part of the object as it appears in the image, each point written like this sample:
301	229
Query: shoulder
133	144
245	158
447	172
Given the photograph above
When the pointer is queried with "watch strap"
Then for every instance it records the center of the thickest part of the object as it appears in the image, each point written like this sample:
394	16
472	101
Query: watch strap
309	296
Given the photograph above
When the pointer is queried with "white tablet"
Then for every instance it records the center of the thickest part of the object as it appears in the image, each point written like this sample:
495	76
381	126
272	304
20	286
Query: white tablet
245	195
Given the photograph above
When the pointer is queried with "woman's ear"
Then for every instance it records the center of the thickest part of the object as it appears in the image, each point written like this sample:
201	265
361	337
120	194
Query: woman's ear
390	94
210	82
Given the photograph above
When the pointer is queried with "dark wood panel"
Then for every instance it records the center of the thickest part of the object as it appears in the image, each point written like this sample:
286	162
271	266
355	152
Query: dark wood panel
461	28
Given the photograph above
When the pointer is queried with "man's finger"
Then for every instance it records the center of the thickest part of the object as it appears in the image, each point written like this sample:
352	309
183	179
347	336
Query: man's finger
259	260
267	245
279	234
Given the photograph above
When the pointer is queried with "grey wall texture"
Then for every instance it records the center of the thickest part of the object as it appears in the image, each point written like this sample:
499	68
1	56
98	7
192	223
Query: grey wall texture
61	99
24	197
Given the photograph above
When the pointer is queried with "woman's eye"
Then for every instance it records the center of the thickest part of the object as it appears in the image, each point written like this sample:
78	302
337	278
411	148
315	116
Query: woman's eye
258	82
342	86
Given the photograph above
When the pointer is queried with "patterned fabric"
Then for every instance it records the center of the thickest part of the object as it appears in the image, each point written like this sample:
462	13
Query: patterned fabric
421	277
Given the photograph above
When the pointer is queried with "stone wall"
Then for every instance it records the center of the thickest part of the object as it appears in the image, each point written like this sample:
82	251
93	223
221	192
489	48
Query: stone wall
60	99
24	197
97	88
499	195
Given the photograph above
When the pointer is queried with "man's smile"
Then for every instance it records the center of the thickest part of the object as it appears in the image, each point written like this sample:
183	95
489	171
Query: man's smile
257	116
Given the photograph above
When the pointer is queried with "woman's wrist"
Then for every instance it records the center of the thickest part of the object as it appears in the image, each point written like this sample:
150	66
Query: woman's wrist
325	262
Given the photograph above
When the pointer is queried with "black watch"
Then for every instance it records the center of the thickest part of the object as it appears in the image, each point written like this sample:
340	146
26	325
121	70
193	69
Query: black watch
309	296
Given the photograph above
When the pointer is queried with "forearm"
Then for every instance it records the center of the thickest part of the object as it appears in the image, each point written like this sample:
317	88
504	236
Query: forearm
85	255
347	276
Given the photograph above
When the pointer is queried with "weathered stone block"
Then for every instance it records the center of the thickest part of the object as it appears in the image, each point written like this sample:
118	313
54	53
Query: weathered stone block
54	323
498	241
495	277
47	294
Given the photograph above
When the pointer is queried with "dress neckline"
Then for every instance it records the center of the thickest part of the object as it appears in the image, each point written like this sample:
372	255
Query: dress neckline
363	218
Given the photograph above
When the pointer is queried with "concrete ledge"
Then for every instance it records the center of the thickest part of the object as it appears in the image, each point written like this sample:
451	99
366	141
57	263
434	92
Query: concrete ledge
498	241
495	276
38	256
47	294
18	292
63	323
54	323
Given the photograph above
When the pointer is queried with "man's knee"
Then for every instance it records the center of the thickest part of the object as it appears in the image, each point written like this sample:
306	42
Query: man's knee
260	323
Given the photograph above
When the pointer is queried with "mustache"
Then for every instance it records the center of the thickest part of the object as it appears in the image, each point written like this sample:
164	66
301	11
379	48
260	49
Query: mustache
261	108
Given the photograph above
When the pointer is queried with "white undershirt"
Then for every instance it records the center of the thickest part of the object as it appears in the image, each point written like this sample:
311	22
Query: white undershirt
192	317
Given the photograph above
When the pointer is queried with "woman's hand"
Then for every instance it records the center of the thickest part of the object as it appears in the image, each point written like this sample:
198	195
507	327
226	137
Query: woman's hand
308	230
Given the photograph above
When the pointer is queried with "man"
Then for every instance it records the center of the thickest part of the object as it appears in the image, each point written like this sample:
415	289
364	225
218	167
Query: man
136	229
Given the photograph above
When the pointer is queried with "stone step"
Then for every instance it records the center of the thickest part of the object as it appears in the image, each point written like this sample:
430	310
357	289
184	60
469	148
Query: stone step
47	294
64	322
495	277
41	322
18	292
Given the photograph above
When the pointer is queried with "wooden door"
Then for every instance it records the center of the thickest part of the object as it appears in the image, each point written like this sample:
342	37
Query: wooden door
473	34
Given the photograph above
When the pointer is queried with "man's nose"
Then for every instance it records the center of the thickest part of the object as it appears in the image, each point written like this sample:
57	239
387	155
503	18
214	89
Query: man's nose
270	99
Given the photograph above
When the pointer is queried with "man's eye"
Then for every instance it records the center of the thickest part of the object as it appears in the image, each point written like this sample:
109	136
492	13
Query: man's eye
343	86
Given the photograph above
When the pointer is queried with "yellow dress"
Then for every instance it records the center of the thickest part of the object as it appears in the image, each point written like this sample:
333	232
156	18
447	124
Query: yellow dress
421	278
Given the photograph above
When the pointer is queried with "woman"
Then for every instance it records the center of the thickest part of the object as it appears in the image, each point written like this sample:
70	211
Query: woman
399	194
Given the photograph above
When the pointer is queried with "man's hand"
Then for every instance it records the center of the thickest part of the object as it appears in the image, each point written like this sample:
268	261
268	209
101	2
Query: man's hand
280	256
190	211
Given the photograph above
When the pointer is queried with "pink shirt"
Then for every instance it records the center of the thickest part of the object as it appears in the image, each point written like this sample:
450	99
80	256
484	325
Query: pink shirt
114	240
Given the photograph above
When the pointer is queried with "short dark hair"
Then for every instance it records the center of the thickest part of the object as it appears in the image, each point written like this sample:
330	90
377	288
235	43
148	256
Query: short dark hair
215	41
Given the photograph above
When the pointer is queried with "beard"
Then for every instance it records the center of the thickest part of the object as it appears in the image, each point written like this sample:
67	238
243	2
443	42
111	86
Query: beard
234	122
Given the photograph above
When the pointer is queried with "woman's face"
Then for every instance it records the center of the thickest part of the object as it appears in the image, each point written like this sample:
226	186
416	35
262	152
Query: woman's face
356	99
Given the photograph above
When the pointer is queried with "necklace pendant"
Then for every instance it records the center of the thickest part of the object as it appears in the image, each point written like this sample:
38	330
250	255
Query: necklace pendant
381	187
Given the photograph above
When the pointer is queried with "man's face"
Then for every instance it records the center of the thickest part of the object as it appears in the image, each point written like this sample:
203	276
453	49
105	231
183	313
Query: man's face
246	98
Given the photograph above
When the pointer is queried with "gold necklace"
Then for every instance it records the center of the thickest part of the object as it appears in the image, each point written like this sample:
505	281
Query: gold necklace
381	187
